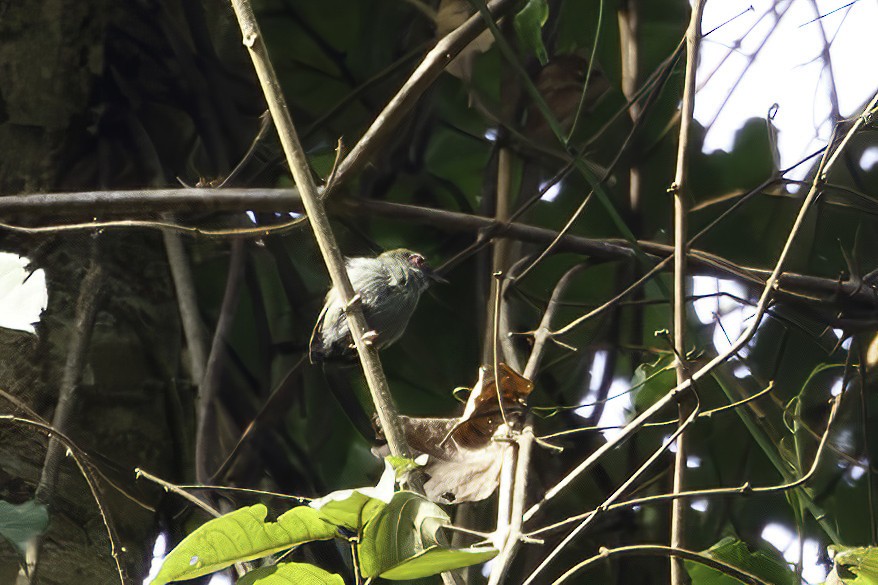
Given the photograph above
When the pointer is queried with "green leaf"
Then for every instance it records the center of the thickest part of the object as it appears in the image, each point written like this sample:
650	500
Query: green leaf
20	523
240	536
854	565
400	542
355	507
761	563
290	574
529	24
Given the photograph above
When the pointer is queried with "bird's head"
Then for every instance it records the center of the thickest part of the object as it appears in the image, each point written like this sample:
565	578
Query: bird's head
414	265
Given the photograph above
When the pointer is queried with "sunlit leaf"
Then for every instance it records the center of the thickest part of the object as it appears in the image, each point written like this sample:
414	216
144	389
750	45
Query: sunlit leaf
401	542
239	536
736	553
854	565
355	507
290	574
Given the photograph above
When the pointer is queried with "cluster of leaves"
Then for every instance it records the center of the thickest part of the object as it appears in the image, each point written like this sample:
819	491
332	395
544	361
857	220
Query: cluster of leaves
395	534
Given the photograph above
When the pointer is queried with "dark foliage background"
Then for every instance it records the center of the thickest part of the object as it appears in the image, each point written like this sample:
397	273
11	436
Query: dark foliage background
128	95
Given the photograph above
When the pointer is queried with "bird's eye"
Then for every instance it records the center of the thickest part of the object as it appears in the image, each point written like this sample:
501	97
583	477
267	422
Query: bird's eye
417	261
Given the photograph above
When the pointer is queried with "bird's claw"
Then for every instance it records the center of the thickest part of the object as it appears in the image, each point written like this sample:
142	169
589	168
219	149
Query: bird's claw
369	337
354	300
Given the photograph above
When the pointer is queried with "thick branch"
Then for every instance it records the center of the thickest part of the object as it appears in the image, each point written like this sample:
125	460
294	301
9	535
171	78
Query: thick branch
182	200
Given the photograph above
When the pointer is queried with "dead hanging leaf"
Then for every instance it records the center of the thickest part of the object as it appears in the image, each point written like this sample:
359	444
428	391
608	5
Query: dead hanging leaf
463	462
484	414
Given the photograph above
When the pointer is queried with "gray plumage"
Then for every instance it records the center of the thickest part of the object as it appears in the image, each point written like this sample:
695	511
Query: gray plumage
389	286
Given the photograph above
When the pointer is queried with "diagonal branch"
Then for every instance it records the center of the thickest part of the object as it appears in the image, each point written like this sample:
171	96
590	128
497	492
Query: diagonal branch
430	68
313	205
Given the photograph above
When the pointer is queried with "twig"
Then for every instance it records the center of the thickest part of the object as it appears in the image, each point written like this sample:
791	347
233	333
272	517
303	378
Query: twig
591	68
511	539
85	471
834	112
706	414
426	73
170	487
659	550
543	331
681	193
502	255
742	340
615	495
745	488
205	436
184	285
90	295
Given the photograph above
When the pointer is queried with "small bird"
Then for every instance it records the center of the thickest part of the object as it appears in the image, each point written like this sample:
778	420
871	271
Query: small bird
389	287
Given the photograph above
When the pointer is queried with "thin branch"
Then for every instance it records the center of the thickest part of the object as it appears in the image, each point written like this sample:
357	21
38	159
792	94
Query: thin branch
615	495
834	112
184	285
86	472
206	432
543	332
87	305
706	414
501	258
743	489
175	489
511	538
591	68
424	75
680	190
743	339
659	550
613	249
141	201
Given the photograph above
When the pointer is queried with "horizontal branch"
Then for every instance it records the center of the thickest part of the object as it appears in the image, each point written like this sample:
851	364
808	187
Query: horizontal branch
137	202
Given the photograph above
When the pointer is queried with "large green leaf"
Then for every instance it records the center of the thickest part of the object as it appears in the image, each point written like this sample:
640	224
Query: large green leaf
240	536
290	574
355	507
735	552
853	566
400	542
529	24
20	523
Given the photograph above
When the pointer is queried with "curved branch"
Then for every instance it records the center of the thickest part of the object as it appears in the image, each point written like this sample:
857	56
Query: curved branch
659	550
